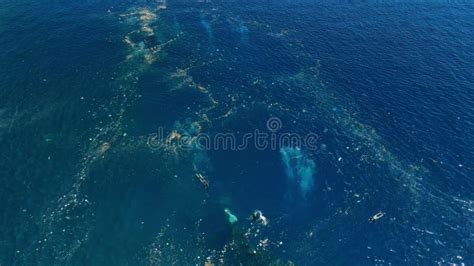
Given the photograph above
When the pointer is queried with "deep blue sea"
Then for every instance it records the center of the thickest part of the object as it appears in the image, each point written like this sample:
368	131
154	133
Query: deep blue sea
123	124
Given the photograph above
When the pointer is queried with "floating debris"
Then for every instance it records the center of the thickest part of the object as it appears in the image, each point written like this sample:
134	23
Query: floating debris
104	148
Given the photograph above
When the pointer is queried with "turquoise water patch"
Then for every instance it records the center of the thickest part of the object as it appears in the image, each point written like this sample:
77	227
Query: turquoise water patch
299	168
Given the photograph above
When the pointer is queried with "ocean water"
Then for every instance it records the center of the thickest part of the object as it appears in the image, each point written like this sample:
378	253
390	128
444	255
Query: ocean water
98	97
